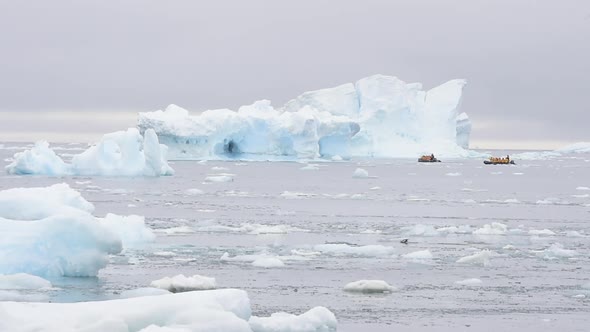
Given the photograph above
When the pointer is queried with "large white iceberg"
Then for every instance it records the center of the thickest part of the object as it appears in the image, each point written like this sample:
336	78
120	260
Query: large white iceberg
122	153
51	232
225	310
378	116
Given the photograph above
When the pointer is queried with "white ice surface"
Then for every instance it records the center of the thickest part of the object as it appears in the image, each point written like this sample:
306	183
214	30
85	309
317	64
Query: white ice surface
22	281
122	153
180	283
50	231
378	116
369	286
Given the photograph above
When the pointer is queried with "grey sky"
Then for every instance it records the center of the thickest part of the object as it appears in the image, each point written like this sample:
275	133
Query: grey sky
527	62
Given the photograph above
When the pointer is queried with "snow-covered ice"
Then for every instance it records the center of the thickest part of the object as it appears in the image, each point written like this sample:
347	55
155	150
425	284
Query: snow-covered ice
480	258
122	153
369	286
360	173
22	281
378	116
180	283
268	262
469	282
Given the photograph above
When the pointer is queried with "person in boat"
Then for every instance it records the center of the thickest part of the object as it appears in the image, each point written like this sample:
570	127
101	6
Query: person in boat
432	157
508	158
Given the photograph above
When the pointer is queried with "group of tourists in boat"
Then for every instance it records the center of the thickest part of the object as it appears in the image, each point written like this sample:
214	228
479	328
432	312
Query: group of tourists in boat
492	161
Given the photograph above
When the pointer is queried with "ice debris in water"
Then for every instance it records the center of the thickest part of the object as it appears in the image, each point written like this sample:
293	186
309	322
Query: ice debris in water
494	228
122	153
369	286
374	250
479	258
421	256
318	319
180	283
360	173
469	282
556	251
74	242
378	116
268	262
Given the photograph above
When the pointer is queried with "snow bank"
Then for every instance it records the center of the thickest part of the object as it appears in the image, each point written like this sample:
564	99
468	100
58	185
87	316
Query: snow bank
378	116
51	232
479	258
369	286
318	319
22	281
122	153
180	283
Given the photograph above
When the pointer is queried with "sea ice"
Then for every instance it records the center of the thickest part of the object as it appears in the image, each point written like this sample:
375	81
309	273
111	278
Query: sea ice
360	173
374	250
22	281
50	231
369	286
378	116
494	228
144	291
318	319
180	283
479	258
268	262
469	282
122	153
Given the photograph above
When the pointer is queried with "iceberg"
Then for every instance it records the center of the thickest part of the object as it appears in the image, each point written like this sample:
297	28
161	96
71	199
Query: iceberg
212	310
51	232
122	153
378	116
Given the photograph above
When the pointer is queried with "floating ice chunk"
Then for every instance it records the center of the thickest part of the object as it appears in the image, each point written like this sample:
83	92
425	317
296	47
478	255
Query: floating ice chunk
419	256
556	251
175	230
469	282
268	262
360	173
336	158
420	230
295	195
310	167
51	232
318	319
369	286
38	160
194	192
574	234
122	153
453	174
582	188
580	147
254	229
545	232
130	229
512	201
41	202
180	283
375	188
16	296
22	281
215	310
144	291
469	201
345	249
219	178
461	229
479	258
494	228
219	169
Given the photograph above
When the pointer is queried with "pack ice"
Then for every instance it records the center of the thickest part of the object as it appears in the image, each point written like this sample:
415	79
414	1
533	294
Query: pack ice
50	231
378	116
122	153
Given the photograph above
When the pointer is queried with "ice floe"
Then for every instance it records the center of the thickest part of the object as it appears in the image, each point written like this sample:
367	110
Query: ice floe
180	283
369	286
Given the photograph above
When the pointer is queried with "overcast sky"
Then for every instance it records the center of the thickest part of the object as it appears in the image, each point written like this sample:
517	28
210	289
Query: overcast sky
80	67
